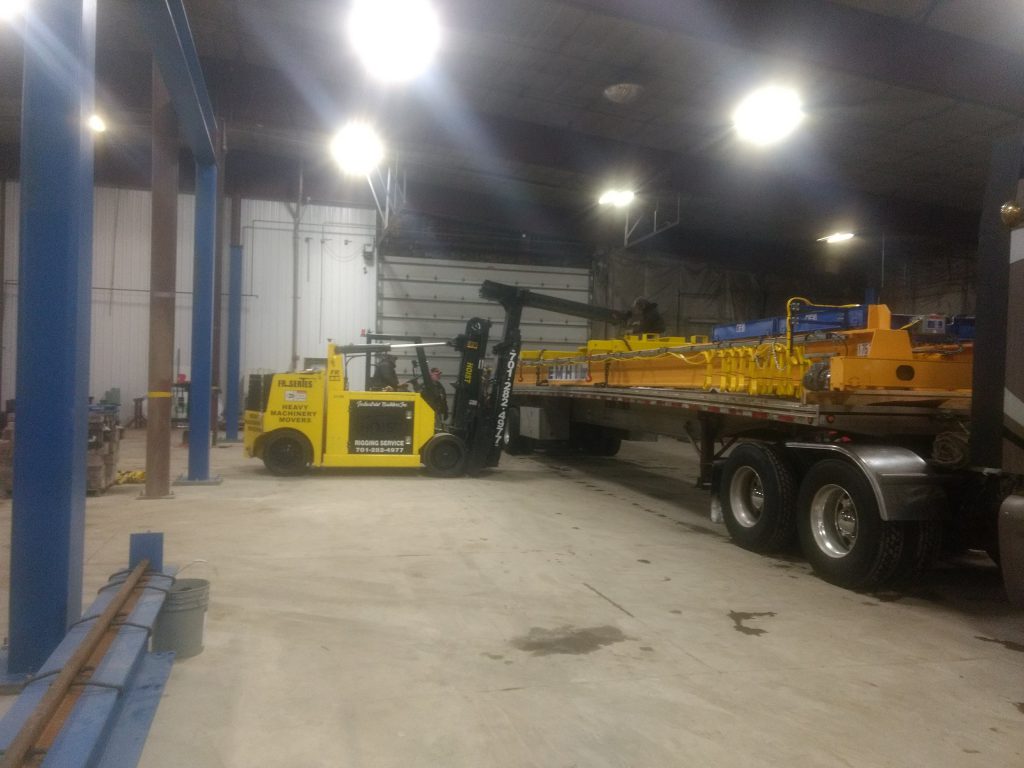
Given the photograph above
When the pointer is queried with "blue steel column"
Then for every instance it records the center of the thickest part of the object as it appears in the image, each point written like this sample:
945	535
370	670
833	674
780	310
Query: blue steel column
202	324
231	409
52	383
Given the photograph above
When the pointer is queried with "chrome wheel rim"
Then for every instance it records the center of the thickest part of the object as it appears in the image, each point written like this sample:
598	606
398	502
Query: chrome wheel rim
835	523
746	496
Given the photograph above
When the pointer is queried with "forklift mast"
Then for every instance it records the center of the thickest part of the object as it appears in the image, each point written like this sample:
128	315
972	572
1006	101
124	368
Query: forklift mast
482	425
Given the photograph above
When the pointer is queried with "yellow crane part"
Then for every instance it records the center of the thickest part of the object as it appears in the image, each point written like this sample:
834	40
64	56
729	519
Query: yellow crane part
876	357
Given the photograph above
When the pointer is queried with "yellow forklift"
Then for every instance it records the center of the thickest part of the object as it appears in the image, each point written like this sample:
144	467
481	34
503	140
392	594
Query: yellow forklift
295	421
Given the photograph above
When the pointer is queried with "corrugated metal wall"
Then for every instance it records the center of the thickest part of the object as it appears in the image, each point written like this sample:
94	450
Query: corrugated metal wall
433	298
336	282
332	241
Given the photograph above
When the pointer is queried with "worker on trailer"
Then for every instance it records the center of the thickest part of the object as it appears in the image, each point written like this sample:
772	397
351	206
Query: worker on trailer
644	317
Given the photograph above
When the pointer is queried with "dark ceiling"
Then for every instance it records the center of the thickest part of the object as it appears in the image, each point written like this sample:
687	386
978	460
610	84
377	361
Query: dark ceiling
511	128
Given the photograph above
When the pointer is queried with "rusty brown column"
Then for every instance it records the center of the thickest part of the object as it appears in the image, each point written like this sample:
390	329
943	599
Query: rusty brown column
162	277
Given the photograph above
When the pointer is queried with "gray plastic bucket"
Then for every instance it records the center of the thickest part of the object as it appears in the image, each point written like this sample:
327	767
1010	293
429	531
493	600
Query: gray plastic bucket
179	627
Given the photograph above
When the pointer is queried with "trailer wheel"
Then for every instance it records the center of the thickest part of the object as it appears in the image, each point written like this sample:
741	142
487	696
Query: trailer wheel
287	453
515	443
841	532
445	455
922	542
758	498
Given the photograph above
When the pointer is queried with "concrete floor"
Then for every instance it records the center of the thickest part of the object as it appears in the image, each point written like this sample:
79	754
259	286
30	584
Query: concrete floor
560	611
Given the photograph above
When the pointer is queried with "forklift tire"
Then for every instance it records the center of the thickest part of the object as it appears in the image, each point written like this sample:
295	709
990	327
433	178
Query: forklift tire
515	443
758	492
445	456
287	453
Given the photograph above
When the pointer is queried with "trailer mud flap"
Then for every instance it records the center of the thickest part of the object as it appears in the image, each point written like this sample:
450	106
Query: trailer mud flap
1011	547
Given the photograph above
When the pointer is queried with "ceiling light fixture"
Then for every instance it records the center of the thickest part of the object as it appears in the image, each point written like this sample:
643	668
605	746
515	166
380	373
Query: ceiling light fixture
619	198
9	9
768	115
96	124
357	149
836	237
395	39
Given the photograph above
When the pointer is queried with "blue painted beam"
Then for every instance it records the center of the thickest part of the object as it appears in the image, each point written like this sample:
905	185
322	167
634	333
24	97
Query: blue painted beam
170	35
108	724
53	329
199	422
232	412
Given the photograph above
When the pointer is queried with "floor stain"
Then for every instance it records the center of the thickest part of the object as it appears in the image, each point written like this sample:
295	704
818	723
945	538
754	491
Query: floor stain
648	562
866	602
1020	707
972	751
676	612
739	617
889	597
1007	644
646	648
697	529
568	640
494	656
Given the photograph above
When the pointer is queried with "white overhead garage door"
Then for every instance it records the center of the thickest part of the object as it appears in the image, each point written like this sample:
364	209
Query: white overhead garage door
434	299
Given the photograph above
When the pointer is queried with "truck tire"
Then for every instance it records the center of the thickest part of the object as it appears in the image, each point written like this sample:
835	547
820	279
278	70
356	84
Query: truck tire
515	443
922	543
445	456
287	453
841	532
758	492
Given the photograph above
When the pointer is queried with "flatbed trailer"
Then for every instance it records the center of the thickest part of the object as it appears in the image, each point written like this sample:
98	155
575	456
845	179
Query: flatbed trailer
835	471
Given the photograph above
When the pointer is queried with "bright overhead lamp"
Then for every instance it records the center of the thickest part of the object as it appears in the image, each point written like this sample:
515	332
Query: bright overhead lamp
768	115
357	149
9	9
96	124
836	237
619	198
395	39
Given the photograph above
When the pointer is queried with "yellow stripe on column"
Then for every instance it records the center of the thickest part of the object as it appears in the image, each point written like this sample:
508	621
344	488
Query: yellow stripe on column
152	395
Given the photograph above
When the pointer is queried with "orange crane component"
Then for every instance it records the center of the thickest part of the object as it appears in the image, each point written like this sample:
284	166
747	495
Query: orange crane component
794	366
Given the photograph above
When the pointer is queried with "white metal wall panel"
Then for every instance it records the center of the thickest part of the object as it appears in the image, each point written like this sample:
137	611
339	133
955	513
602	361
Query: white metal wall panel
335	288
434	298
120	295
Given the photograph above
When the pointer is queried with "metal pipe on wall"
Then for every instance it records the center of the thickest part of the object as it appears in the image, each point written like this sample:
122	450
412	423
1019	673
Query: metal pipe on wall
296	239
162	282
48	513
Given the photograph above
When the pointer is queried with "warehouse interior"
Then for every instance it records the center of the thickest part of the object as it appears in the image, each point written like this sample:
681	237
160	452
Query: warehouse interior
608	250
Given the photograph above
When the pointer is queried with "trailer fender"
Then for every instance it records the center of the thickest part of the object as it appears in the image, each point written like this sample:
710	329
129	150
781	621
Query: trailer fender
905	486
